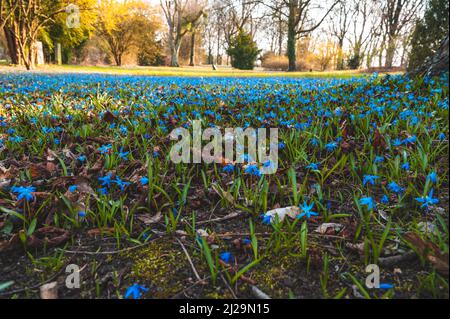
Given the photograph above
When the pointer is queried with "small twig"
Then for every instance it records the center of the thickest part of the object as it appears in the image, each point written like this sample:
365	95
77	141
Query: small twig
80	252
228	286
216	220
393	260
189	259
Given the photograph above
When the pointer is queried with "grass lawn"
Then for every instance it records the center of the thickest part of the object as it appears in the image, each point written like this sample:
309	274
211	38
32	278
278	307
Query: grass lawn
198	71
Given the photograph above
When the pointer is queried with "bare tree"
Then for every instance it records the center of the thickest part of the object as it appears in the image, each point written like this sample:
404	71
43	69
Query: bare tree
397	14
365	31
299	21
341	19
179	21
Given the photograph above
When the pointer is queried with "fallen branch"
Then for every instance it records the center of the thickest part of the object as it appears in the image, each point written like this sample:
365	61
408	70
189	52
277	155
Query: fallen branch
216	220
394	260
189	259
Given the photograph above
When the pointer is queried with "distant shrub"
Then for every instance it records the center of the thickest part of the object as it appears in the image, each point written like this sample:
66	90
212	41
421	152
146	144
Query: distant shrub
354	61
273	62
243	51
150	54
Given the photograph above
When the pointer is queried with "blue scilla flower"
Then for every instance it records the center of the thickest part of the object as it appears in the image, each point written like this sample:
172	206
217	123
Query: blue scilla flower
16	139
120	183
24	192
307	210
384	200
229	168
428	200
313	166
397	142
253	170
226	257
441	137
379	159
368	202
135	291
395	188
123	155
405	166
314	141
72	188
105	148
266	219
144	180
410	140
386	286
432	177
331	146
370	179
106	180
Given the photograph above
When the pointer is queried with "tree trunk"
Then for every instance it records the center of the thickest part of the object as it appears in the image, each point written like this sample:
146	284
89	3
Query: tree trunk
280	37
292	41
13	50
340	55
192	54
175	50
390	52
438	63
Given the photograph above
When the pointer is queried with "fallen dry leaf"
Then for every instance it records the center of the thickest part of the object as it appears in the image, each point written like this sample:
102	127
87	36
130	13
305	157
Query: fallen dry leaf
430	252
281	213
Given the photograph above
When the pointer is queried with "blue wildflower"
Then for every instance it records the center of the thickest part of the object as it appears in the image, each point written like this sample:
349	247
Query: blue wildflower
24	192
331	146
106	180
266	219
229	168
72	188
226	257
427	200
395	188
307	210
104	148
397	142
253	170
120	183
384	200
432	177
313	166
135	291
144	180
123	155
386	286
314	141
379	159
369	202
370	179
409	140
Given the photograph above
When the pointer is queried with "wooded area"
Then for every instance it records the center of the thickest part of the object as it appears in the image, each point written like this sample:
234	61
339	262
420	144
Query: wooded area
286	34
